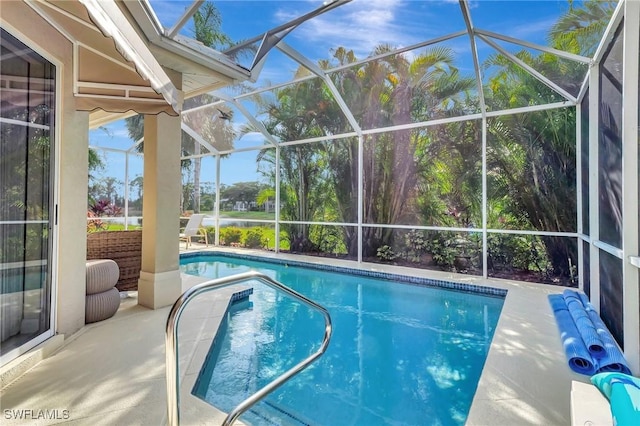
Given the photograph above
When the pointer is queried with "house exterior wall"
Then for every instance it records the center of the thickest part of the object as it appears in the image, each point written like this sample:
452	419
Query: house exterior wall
72	134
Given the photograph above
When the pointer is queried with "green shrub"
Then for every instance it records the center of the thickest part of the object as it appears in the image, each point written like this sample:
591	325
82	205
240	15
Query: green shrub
254	238
328	239
386	253
416	245
211	234
521	252
230	235
439	244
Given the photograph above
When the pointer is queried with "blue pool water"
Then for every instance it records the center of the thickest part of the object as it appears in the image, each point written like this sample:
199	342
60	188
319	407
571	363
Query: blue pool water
400	354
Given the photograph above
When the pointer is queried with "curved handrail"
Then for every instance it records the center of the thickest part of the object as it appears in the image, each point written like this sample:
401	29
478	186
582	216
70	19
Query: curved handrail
171	336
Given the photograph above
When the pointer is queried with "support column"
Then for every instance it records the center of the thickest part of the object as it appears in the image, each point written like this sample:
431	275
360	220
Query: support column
71	251
160	284
594	189
630	197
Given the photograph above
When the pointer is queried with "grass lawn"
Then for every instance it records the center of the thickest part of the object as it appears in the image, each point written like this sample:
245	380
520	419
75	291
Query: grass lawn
268	236
268	233
246	215
117	227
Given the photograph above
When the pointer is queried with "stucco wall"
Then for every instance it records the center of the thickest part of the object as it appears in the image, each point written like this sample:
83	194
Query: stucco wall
72	136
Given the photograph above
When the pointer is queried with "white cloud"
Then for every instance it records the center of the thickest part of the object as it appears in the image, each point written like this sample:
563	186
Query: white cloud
359	25
253	138
472	3
121	133
532	29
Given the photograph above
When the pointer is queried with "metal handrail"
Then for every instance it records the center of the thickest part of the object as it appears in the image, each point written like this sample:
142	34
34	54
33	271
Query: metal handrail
173	390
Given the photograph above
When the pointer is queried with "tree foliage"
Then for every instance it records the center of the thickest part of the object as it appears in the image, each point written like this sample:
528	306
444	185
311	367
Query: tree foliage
208	27
580	29
433	175
208	31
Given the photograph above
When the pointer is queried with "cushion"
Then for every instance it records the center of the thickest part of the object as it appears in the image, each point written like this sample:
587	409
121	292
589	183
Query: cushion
623	392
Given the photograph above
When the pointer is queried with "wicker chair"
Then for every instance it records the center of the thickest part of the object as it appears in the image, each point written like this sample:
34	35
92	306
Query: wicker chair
123	247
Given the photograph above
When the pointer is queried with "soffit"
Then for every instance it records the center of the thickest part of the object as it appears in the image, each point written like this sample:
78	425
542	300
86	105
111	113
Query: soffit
104	78
203	69
121	58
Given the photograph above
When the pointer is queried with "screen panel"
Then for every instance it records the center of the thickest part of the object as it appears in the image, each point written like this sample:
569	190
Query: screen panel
611	295
610	144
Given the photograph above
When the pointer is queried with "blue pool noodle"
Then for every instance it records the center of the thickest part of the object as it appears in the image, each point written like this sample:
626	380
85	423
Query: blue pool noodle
586	302
571	295
613	360
586	328
557	302
577	353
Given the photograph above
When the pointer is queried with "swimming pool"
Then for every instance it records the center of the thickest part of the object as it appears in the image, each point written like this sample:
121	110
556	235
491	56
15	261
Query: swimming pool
399	355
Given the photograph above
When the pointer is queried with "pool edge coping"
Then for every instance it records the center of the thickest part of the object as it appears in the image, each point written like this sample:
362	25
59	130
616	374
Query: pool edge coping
406	279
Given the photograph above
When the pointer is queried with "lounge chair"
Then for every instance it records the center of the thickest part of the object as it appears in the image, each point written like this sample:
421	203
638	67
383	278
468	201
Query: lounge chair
194	228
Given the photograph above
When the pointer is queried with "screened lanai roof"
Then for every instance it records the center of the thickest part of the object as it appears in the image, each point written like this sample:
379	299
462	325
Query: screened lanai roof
316	46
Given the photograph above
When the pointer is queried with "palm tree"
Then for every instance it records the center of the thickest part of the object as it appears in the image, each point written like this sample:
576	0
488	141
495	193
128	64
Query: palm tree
531	157
581	28
138	182
299	112
389	92
207	27
207	23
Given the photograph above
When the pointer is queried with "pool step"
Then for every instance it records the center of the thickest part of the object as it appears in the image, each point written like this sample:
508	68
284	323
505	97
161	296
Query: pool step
268	413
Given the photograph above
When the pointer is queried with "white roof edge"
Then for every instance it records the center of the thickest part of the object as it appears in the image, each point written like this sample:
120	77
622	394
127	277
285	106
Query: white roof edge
189	49
113	23
203	55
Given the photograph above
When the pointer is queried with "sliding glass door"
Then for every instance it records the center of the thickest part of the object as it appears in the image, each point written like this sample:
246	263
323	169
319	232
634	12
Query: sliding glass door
27	99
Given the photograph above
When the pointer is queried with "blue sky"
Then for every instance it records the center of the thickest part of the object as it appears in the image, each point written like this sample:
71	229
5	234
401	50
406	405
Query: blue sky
360	25
364	24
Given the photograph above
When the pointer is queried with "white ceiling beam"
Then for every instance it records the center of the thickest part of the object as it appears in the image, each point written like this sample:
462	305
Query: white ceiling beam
247	149
304	61
557	52
254	122
544	80
188	13
614	22
464	6
199	139
311	76
398	51
272	37
135	145
530	108
320	139
584	87
199	107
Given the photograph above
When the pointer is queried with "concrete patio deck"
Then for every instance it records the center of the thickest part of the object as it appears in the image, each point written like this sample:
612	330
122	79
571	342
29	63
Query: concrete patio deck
113	372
